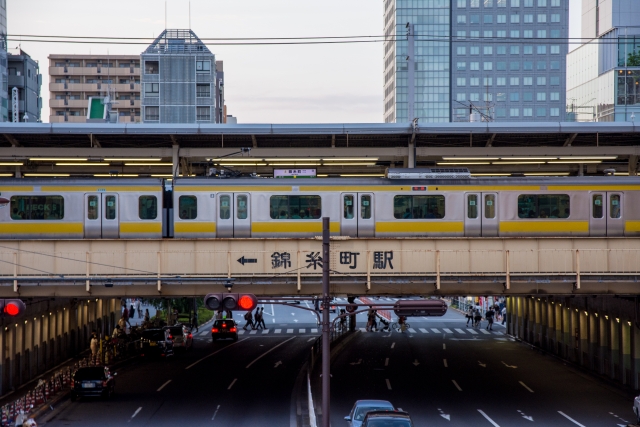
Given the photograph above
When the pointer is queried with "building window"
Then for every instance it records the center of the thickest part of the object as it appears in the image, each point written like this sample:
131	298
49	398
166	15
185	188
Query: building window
461	50
462	19
501	66
527	34
474	97
554	112
501	50
541	96
528	18
514	97
501	34
542	34
474	34
461	66
501	19
514	65
462	3
554	81
501	81
502	3
527	65
555	50
147	207
515	3
488	3
151	67
461	97
474	66
37	207
542	3
554	65
527	112
555	3
152	113
487	50
542	50
474	3
474	81
203	90
541	111
554	96
188	207
501	112
527	81
514	81
514	34
203	67
488	81
151	89
203	113
295	207
474	50
501	97
514	50
487	34
461	81
418	207
487	97
555	17
542	18
461	34
527	96
488	19
555	34
474	19
541	65
527	50
514	112
515	19
528	3
543	206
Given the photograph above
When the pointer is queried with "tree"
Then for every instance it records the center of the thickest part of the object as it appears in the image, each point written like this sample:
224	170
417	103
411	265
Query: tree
633	59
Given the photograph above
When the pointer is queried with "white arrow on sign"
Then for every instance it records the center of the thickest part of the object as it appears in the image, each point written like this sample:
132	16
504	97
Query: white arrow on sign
357	363
443	415
416	363
278	363
510	366
525	416
484	365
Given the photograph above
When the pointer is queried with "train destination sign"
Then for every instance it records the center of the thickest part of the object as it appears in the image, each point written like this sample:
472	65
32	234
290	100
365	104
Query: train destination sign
294	173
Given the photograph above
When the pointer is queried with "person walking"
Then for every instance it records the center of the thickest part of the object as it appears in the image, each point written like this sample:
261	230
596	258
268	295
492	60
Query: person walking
489	316
470	316
94	348
194	321
125	316
258	319
264	326
504	314
249	318
132	312
147	318
477	317
139	308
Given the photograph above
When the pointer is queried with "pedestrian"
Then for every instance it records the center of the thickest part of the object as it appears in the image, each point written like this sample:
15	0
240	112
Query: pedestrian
139	308
194	321
470	316
249	318
132	312
94	348
219	315
258	319
477	317
374	325
489	316
504	314
147	318
125	316
262	318
175	315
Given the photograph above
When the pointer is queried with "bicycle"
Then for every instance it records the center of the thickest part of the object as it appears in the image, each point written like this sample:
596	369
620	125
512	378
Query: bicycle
340	327
398	327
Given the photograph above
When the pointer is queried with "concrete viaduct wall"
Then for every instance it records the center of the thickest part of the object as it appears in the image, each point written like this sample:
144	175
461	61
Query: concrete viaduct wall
52	331
601	334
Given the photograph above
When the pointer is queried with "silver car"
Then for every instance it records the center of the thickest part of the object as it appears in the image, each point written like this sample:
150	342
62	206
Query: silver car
181	337
362	407
636	408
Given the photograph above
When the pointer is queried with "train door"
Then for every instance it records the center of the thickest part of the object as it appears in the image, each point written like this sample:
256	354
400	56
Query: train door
481	215
234	215
606	214
101	219
357	216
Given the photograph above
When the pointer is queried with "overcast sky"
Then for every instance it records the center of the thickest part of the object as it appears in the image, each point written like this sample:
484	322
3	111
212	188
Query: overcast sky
263	84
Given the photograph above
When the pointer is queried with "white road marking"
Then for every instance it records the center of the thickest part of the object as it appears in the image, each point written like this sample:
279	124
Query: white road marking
525	386
447	330
289	331
266	331
423	330
388	384
314	330
363	330
215	352
413	331
277	331
232	383
435	330
274	320
456	384
488	419
570	419
472	332
163	385
445	363
241	332
302	331
136	413
268	351
460	331
393	345
310	339
386	362
215	413
253	332
484	331
204	333
444	346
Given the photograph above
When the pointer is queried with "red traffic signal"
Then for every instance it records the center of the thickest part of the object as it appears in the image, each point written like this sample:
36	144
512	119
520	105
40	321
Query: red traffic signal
245	302
12	307
351	308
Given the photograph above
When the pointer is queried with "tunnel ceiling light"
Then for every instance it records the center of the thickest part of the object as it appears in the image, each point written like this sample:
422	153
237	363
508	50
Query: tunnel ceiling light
132	160
59	159
351	159
463	163
557	162
547	173
519	163
120	175
11	163
588	158
84	164
455	159
148	164
47	174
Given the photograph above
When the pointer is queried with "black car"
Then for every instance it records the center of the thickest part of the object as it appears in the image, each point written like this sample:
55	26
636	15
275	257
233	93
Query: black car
92	381
155	342
387	419
225	328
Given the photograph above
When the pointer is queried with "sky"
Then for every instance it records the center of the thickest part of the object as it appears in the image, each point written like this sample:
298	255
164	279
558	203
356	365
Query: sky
339	83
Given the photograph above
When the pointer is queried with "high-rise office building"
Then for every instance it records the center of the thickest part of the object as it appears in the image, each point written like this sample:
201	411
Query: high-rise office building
504	58
603	75
182	83
74	79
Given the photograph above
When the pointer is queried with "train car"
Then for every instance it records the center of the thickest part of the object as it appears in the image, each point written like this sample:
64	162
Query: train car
79	208
381	207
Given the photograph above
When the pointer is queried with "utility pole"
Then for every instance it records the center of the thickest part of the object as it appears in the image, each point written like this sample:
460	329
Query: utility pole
326	342
411	72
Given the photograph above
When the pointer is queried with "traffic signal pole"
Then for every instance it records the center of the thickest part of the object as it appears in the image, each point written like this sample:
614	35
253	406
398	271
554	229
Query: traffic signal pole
326	331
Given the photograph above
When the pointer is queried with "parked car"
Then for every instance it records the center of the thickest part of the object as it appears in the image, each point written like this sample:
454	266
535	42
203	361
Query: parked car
181	337
95	381
155	342
387	419
361	407
225	328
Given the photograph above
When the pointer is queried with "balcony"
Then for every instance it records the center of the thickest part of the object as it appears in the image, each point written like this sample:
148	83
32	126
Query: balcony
16	81
70	103
70	119
93	71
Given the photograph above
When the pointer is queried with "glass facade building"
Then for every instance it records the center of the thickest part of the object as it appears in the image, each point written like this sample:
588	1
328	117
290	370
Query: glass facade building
506	58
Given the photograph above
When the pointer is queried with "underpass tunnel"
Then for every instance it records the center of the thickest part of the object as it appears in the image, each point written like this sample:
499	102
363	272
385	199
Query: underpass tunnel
51	331
598	333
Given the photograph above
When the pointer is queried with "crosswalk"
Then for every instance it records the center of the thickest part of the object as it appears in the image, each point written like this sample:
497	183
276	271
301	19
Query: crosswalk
458	331
278	331
315	331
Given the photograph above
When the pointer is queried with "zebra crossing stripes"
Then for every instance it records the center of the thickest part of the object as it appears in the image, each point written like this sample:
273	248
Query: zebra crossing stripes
278	331
289	331
472	332
314	330
484	331
447	330
436	331
302	331
413	331
460	331
423	330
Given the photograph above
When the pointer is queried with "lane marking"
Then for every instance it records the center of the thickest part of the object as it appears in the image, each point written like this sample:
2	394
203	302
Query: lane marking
445	363
274	320
204	333
163	385
215	413
136	413
268	351
525	386
484	331
413	331
472	332
435	330
460	331
232	383
393	345
278	331
444	346
570	419
388	384
386	362
423	330
314	330
488	419
456	384
253	332
215	352
289	331
447	330
310	339
302	331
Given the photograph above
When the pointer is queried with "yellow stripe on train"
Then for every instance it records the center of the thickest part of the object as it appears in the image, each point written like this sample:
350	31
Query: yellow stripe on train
544	226
194	227
292	227
42	227
141	227
420	227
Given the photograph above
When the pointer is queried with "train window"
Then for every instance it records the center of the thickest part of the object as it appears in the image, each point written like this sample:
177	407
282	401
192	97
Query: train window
225	207
188	207
543	206
597	206
110	207
614	209
348	206
148	207
92	208
418	207
365	207
490	206
242	207
296	207
37	207
472	206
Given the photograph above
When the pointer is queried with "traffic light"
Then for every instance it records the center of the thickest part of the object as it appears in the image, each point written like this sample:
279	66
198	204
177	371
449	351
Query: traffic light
245	302
409	308
12	307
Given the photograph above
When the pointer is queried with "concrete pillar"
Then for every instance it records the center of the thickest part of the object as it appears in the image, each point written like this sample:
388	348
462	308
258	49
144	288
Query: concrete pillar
614	348
625	348
593	341
635	356
603	349
566	332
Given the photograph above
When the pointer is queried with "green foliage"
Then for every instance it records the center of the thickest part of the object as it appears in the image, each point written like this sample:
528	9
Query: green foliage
184	306
633	59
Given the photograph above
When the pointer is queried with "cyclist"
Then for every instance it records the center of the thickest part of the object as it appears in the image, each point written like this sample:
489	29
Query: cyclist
343	320
402	320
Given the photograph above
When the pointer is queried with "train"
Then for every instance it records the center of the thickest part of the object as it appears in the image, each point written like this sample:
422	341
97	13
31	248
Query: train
255	207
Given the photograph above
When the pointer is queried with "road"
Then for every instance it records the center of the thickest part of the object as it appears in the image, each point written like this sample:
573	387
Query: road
439	371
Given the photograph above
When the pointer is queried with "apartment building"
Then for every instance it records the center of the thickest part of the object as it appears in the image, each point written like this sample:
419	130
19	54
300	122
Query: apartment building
24	77
74	79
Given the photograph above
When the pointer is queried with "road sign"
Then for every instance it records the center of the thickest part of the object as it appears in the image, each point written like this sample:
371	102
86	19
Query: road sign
244	260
